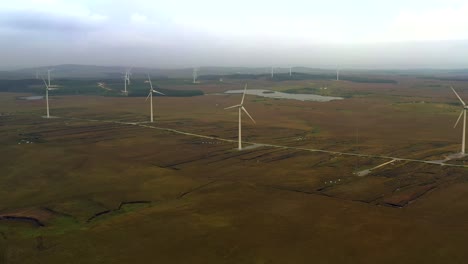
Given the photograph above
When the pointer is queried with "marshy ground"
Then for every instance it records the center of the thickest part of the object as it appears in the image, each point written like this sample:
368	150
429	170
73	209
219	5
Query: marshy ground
76	190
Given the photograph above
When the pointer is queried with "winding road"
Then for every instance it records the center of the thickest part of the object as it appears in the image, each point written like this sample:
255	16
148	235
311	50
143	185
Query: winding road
393	159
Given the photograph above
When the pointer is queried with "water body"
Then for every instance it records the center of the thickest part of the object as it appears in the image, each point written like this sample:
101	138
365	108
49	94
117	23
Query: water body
280	95
36	97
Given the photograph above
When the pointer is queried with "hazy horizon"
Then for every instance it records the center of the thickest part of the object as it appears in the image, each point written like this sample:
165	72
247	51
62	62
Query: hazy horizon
363	34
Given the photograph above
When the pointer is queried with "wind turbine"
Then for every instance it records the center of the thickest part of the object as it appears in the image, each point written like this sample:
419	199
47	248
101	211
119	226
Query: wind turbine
194	75
125	82
290	71
463	112
150	95
337	74
272	72
128	74
241	108
48	75
47	97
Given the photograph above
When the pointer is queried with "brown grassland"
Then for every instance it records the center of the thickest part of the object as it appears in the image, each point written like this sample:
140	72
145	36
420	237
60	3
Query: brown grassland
104	192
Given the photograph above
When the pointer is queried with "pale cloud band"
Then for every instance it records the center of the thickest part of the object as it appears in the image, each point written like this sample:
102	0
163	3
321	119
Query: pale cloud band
187	33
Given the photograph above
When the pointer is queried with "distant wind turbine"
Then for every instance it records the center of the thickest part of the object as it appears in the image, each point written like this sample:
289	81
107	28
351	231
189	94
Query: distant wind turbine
128	74
463	112
150	96
195	75
48	75
241	108
290	71
338	74
272	72
125	82
47	97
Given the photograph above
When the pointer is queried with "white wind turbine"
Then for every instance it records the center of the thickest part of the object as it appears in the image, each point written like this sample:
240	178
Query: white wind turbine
48	75
125	82
47	97
195	75
241	108
463	112
128	74
150	96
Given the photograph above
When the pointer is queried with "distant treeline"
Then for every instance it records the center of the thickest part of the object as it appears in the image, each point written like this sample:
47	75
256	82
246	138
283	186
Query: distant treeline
455	79
166	92
88	87
359	79
19	85
296	76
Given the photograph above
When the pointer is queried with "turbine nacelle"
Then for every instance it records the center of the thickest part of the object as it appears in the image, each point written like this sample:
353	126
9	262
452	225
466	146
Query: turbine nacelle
154	91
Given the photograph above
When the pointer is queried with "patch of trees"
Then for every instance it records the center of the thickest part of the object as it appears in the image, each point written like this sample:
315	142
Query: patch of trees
167	92
230	76
359	79
296	76
455	79
26	85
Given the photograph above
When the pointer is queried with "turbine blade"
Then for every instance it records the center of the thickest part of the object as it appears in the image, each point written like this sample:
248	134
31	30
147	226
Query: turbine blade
233	106
154	91
459	98
243	96
47	87
245	110
459	117
147	96
151	84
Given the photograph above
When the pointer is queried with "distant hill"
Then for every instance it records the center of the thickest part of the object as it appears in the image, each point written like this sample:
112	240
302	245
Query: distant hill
74	71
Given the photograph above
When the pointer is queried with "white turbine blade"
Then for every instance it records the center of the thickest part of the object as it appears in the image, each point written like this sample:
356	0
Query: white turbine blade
459	98
233	106
147	96
459	117
243	96
245	110
47	87
151	84
154	91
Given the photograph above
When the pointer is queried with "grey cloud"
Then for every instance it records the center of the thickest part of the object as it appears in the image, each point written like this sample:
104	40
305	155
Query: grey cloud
39	21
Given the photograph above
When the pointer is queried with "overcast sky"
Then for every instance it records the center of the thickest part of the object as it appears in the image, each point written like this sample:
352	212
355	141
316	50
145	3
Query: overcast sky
187	33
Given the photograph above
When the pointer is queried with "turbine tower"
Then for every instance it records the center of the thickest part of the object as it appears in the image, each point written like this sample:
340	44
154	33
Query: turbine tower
125	82
290	71
338	74
47	97
129	73
150	95
195	75
463	113
272	72
241	108
48	77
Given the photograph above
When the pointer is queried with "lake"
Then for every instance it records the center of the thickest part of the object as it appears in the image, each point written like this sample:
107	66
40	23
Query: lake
280	95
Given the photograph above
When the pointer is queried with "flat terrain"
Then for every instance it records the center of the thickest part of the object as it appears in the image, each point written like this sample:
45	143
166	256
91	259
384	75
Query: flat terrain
99	184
